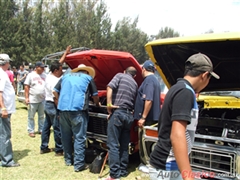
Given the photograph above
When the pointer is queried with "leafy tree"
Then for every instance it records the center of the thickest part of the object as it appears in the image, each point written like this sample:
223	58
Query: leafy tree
9	28
166	33
209	31
127	37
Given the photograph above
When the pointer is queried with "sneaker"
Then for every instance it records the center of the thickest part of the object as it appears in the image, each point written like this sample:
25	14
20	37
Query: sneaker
12	165
68	164
84	167
43	151
31	135
109	178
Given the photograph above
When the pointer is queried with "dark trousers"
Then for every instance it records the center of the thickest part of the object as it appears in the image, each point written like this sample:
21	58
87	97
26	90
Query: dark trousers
51	119
6	153
118	137
74	124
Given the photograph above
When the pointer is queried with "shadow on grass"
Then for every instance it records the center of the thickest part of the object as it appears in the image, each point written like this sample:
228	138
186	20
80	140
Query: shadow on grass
20	154
22	107
134	162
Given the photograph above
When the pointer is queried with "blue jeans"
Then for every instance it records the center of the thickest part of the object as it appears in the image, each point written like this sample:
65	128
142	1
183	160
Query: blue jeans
33	108
118	137
6	153
159	174
20	86
74	129
51	119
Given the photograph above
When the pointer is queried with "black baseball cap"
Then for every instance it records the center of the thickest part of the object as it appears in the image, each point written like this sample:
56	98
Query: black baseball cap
200	62
40	64
149	66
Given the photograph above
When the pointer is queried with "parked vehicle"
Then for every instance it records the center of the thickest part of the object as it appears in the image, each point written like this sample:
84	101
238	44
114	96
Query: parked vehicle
217	141
107	64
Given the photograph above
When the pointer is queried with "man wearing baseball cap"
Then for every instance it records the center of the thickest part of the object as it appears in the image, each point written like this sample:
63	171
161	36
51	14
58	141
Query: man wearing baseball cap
7	107
178	121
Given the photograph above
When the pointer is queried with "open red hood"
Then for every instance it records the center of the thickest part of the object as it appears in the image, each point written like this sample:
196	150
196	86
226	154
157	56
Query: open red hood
106	64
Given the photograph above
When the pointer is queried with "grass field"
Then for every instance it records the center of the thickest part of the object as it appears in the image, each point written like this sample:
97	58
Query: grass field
36	166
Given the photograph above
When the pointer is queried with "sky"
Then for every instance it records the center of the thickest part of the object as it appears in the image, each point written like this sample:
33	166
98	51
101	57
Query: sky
187	17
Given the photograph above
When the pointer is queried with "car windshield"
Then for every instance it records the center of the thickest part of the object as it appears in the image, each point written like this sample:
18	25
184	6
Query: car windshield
163	86
222	93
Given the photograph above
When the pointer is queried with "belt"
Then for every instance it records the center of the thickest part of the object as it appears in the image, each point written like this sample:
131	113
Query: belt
49	101
123	109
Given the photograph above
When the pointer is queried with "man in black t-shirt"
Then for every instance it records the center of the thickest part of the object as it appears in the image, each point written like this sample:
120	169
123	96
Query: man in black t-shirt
178	120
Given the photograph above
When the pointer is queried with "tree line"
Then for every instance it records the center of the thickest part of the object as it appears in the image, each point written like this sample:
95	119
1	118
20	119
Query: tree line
29	30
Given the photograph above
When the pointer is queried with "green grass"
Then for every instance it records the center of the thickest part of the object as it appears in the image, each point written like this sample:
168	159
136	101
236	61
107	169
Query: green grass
36	166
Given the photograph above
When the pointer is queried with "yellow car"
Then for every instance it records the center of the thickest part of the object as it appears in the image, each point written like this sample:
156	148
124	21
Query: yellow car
217	141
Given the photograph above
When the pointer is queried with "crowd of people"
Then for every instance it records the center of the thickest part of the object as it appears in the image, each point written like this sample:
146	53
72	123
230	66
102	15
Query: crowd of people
61	101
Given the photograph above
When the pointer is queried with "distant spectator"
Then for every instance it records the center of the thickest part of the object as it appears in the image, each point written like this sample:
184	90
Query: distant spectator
35	97
30	69
10	75
15	73
22	73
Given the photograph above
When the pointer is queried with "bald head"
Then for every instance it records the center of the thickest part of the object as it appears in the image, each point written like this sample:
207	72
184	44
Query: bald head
131	70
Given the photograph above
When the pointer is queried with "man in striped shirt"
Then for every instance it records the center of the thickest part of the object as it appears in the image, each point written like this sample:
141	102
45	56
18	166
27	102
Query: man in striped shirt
121	94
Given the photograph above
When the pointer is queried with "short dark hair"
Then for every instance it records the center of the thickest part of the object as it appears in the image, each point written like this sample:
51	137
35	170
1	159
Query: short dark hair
192	73
55	65
131	70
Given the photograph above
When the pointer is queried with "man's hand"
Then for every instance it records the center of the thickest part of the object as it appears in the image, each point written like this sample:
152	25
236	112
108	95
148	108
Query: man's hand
98	104
55	101
110	107
68	50
141	122
4	113
27	101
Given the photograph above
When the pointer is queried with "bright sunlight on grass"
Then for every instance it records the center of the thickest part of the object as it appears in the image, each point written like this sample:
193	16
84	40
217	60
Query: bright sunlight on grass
36	166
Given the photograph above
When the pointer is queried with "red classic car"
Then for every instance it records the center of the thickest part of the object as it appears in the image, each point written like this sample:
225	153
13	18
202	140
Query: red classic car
107	64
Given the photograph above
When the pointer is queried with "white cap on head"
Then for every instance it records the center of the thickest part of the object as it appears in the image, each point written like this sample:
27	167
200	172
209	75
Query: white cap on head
4	58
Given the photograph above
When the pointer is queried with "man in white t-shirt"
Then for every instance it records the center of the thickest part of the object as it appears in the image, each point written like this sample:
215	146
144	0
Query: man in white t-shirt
35	97
51	112
7	105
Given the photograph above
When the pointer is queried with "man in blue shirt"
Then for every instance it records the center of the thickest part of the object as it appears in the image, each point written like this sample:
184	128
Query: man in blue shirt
72	93
148	102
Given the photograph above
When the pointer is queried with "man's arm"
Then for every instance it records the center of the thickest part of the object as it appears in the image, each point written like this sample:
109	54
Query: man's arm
68	50
147	107
180	148
96	100
18	76
3	107
110	106
25	74
56	97
26	91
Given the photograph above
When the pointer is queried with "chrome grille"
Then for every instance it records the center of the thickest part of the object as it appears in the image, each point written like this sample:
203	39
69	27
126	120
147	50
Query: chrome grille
97	125
213	160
